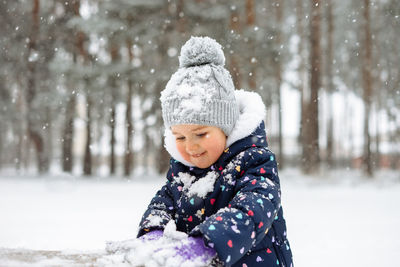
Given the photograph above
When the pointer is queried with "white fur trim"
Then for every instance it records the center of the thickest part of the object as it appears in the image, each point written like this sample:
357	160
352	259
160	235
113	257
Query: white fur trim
170	146
252	112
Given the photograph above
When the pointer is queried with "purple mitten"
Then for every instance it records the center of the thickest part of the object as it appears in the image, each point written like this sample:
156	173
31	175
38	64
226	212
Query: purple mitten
194	248
151	236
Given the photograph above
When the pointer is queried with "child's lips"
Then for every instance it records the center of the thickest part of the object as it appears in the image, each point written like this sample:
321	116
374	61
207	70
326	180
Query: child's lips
197	155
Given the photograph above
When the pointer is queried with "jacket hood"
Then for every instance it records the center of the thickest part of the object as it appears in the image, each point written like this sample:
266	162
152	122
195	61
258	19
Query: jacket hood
251	114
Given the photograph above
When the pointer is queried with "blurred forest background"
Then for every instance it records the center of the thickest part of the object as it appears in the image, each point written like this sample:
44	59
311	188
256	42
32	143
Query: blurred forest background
80	79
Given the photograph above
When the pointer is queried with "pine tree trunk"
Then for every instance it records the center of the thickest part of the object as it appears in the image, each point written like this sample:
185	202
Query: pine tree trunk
303	86
311	152
377	157
37	140
181	21
87	161
394	139
68	131
21	129
278	78
330	86
68	134
114	52
250	21
128	157
19	149
234	63
33	134
163	159
112	128
161	156
1	145
128	160
49	136
367	84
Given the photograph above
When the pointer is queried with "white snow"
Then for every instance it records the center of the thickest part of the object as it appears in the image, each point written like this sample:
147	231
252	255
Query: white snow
171	232
201	187
186	179
204	185
58	213
159	252
335	219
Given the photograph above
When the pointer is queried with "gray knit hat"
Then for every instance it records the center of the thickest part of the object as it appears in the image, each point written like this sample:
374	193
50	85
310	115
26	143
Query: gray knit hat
201	91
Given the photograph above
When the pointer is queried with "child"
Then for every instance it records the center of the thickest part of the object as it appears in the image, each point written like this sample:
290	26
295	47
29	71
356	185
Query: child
222	187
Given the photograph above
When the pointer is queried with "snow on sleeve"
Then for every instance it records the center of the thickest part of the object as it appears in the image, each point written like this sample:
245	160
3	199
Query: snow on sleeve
154	220
155	217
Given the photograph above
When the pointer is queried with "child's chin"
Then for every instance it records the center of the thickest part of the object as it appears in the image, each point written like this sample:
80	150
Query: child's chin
201	165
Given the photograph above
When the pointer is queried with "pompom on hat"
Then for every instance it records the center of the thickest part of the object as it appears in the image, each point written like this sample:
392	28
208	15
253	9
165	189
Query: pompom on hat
202	90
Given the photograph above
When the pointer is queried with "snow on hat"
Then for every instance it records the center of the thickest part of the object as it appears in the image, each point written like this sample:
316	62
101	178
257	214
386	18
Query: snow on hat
202	90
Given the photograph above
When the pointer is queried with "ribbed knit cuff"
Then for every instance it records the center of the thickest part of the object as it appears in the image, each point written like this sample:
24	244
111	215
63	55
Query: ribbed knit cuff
219	113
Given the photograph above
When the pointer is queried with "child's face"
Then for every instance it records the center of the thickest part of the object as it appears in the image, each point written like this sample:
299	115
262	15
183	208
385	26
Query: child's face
198	144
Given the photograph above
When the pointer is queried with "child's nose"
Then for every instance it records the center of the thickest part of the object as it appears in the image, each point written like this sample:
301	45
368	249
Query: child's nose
192	147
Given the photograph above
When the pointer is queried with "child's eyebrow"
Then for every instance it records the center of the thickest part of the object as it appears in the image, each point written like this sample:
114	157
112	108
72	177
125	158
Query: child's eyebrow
193	130
198	128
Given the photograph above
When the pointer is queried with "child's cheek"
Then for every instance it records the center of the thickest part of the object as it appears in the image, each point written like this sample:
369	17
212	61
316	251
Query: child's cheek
182	150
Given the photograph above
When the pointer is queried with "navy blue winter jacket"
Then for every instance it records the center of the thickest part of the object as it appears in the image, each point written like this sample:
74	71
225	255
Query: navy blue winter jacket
241	214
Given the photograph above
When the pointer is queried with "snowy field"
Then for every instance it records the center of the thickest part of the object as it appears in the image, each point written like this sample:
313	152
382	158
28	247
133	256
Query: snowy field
338	219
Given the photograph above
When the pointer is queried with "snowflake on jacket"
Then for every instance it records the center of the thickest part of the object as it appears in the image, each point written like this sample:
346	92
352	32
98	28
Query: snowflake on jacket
235	204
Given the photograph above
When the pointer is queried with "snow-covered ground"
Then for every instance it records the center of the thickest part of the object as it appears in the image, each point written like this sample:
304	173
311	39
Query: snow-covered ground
336	219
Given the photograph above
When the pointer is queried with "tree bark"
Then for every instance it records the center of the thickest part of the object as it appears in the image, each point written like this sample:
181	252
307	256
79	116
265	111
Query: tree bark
49	135
162	158
234	62
34	136
250	21
1	146
278	77
303	80
181	21
329	84
113	85
377	156
128	157
80	46
311	133
68	134
367	85
112	128
87	161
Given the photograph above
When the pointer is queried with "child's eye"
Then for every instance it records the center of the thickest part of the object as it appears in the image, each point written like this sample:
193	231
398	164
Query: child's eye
180	138
201	134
